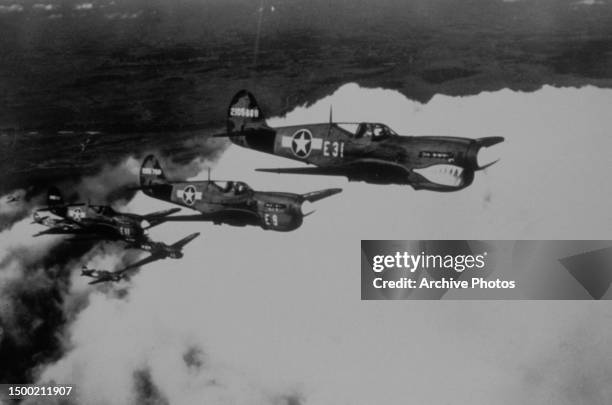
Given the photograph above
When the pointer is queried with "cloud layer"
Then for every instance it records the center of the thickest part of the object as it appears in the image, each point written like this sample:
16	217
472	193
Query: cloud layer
255	317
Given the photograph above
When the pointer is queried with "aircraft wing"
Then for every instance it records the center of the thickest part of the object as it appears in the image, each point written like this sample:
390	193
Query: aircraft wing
353	169
181	243
326	171
139	263
50	231
87	237
99	280
319	195
65	229
159	217
161	214
209	217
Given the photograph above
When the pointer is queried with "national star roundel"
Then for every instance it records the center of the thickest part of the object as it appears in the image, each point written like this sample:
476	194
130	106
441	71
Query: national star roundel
189	194
301	143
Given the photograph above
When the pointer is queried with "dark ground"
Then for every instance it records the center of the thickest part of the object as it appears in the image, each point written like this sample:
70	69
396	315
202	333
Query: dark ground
150	74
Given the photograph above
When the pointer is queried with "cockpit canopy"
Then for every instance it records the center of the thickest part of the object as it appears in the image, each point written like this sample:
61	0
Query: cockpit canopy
232	187
103	210
368	130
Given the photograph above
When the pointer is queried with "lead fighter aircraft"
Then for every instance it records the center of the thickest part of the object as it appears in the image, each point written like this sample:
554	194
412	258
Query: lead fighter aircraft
370	152
231	202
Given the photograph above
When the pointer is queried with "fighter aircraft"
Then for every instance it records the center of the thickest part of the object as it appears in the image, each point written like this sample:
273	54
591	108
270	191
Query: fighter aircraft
159	251
231	202
97	222
13	198
365	151
101	276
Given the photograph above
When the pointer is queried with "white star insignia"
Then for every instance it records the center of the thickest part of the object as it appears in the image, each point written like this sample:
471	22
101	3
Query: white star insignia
301	143
189	195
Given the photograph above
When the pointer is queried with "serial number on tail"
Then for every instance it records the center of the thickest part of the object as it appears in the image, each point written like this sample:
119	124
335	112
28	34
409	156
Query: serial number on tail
151	170
244	112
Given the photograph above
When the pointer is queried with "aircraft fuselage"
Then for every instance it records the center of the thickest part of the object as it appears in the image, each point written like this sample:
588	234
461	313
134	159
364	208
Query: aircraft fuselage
439	163
234	204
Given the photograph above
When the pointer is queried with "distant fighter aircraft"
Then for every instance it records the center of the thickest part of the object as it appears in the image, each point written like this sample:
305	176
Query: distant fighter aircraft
12	198
101	276
231	202
370	152
97	222
159	251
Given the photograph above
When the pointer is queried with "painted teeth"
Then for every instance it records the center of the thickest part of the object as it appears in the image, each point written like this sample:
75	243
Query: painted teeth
447	175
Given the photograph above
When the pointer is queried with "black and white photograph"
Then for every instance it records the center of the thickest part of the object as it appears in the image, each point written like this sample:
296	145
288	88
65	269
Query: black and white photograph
305	202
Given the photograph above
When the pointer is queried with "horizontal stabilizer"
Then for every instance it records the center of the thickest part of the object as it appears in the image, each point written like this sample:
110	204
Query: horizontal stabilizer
319	195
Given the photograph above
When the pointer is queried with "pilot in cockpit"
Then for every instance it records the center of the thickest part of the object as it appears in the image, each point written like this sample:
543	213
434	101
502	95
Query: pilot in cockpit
240	188
379	132
364	131
228	187
101	210
372	131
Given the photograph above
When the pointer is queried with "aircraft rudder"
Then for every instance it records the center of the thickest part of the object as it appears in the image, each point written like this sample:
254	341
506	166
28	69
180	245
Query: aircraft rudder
54	197
244	112
151	172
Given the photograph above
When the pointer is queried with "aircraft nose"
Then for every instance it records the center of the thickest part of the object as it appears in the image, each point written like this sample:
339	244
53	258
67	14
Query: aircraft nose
484	155
306	208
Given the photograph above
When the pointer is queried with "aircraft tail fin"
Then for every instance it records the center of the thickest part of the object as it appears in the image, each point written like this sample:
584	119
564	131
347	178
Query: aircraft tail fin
181	243
319	195
151	172
246	124
54	197
244	113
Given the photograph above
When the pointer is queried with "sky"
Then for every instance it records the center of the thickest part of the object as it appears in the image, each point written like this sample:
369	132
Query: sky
259	317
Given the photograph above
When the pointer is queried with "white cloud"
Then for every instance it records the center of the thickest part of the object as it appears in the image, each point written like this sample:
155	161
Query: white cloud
44	7
84	6
589	2
13	8
275	315
123	16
